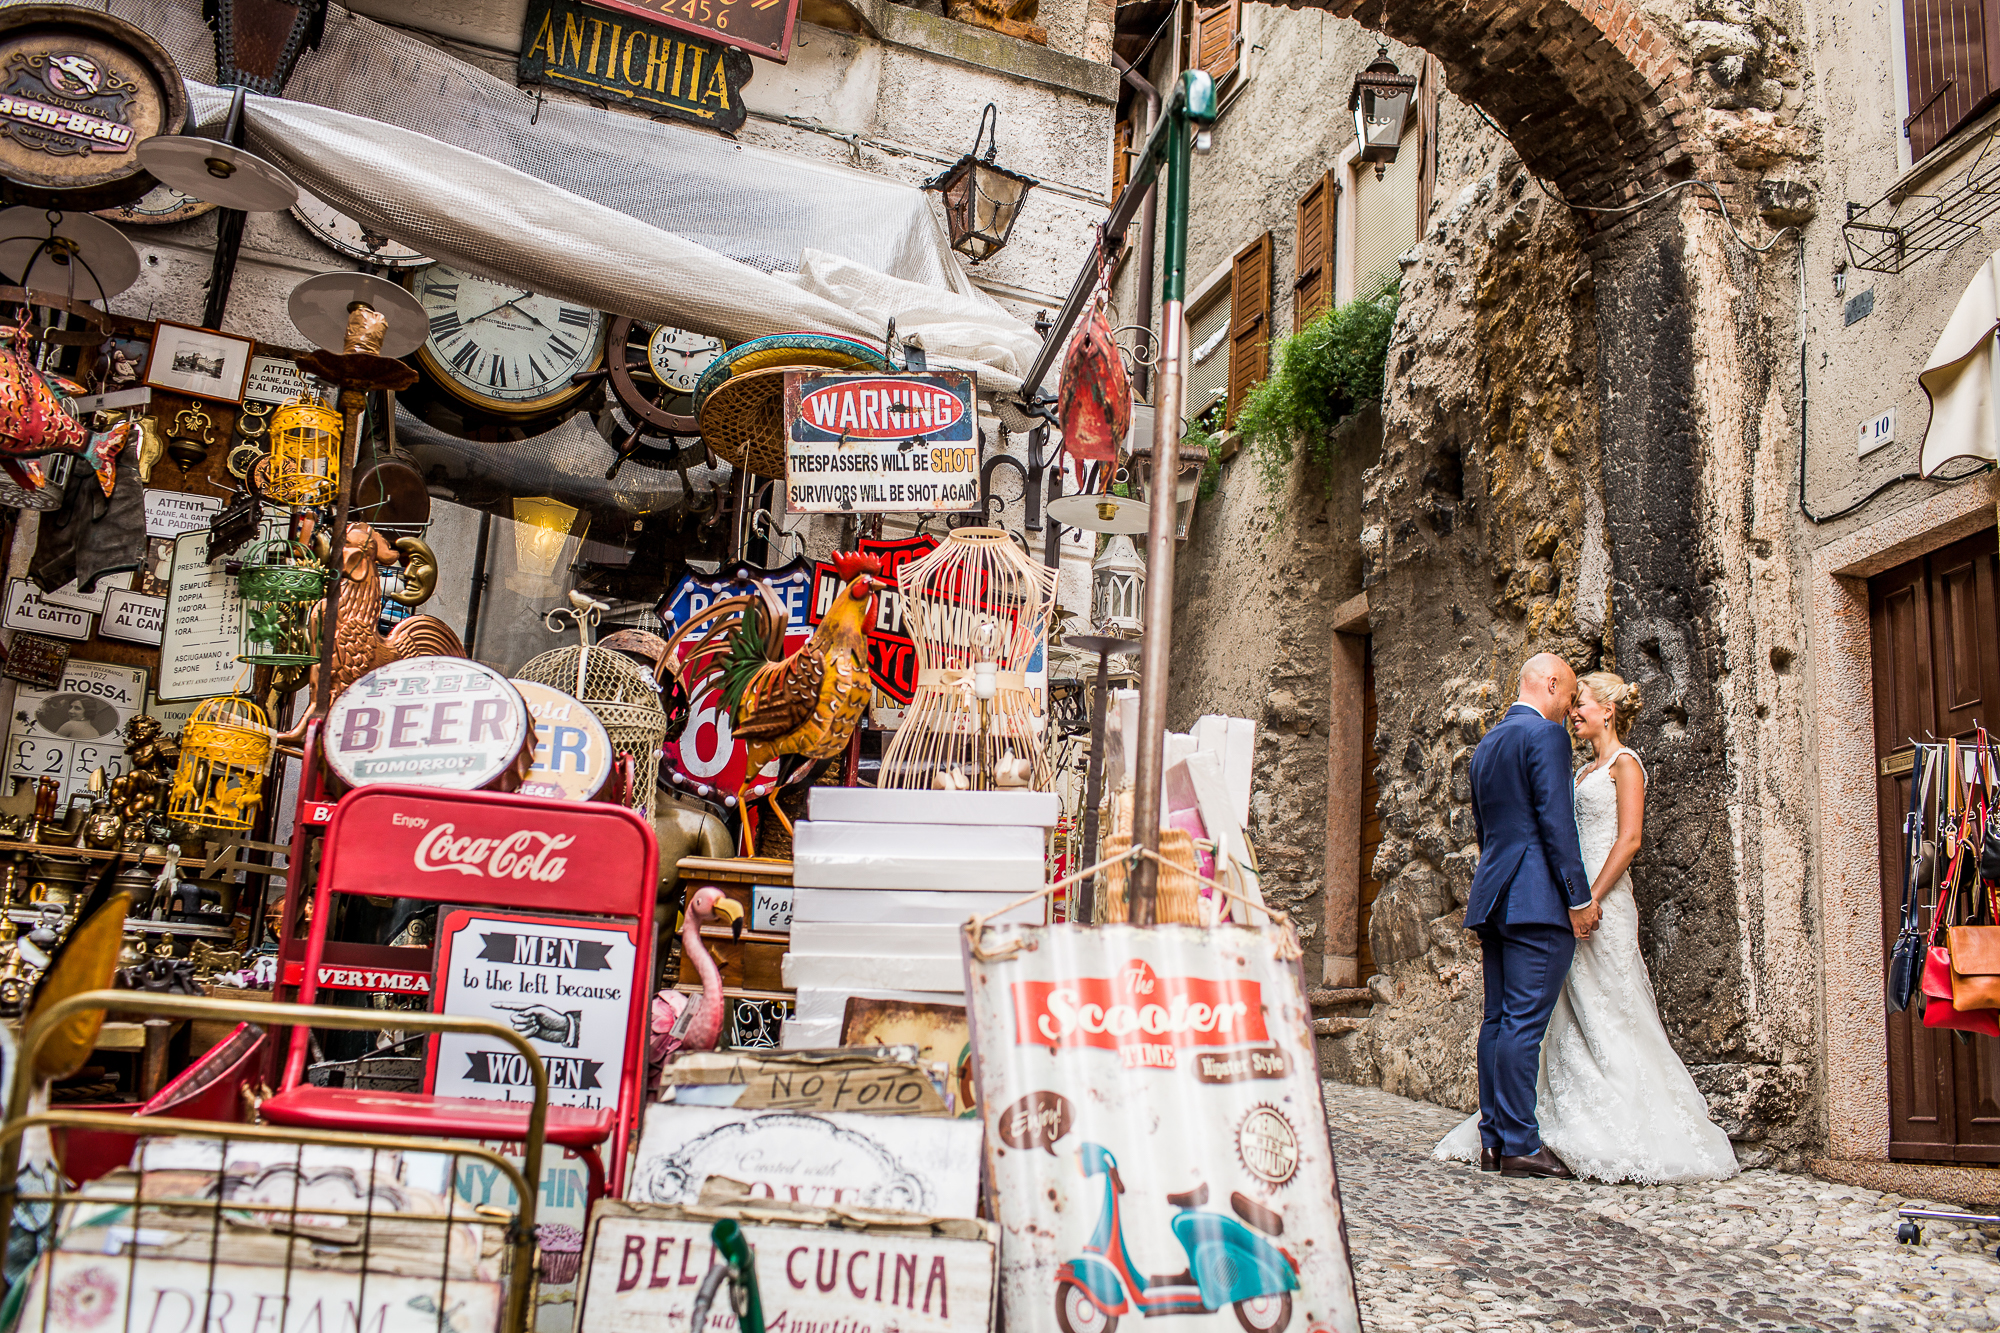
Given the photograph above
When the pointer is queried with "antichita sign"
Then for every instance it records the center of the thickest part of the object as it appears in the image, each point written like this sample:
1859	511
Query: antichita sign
605	55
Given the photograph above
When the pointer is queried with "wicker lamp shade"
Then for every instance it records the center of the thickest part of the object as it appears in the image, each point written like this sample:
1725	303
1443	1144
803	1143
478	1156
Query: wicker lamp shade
978	610
226	750
305	454
623	697
739	402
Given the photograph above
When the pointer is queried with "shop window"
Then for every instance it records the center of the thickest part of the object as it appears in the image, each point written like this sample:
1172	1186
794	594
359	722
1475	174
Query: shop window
1950	68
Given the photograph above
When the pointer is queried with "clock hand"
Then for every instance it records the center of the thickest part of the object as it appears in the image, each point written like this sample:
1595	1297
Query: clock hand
522	296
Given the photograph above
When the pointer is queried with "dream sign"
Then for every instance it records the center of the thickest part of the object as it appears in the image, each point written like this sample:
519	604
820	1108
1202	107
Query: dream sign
881	443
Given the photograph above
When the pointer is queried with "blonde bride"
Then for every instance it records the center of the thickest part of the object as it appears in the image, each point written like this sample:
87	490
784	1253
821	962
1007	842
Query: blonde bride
1614	1101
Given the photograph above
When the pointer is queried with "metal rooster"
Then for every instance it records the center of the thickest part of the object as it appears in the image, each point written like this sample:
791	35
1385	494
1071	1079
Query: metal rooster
358	645
807	704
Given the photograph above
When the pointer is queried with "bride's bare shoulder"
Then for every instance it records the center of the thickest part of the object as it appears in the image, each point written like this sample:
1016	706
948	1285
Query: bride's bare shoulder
1627	764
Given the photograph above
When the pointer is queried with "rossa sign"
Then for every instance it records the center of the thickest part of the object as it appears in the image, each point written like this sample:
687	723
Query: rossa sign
882	409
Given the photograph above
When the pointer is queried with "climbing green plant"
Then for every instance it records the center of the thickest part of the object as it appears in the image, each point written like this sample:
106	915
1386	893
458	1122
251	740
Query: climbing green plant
1199	436
1321	375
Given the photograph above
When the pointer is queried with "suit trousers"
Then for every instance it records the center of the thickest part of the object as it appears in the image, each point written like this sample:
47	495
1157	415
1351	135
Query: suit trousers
1525	967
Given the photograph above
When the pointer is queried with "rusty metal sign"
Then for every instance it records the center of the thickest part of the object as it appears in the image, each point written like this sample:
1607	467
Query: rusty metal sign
698	79
761	27
1153	1108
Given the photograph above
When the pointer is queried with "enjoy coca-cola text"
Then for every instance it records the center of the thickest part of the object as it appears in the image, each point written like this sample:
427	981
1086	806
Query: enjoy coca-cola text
522	854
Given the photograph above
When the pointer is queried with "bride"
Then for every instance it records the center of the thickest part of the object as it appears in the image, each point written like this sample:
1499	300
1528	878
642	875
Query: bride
1614	1101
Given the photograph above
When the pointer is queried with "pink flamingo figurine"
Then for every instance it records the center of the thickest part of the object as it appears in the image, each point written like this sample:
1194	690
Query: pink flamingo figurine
679	1021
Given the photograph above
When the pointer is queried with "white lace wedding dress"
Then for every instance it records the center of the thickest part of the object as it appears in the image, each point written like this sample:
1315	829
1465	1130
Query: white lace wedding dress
1614	1101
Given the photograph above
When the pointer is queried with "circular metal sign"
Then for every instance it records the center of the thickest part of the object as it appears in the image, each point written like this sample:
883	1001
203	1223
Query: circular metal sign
431	722
79	92
573	755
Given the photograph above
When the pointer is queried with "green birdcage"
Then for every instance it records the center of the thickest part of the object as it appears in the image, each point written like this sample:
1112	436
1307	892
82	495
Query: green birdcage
280	582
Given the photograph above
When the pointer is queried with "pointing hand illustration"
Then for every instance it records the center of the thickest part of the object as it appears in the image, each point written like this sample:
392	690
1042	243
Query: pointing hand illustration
538	1022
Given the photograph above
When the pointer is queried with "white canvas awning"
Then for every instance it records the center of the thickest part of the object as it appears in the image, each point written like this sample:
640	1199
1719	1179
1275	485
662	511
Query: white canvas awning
1959	377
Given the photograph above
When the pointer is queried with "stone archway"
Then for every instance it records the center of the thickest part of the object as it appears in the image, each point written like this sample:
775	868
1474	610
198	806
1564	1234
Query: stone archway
1594	98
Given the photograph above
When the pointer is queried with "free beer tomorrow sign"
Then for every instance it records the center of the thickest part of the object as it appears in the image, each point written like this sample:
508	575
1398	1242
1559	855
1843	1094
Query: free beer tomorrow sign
427	721
881	443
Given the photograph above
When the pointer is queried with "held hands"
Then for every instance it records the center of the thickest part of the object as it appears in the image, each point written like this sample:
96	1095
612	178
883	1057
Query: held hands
1583	920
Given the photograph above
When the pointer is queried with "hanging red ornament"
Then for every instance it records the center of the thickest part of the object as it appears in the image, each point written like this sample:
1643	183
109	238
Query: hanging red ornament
1096	395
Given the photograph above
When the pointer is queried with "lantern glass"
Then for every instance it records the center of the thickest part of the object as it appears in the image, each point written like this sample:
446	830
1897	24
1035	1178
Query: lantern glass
1380	103
226	750
1120	576
305	454
982	201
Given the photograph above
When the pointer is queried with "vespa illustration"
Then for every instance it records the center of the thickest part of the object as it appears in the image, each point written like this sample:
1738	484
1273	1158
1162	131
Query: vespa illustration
1228	1263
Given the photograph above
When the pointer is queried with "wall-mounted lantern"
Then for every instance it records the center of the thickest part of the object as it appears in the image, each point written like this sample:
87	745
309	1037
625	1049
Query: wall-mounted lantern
1380	103
1121	588
981	199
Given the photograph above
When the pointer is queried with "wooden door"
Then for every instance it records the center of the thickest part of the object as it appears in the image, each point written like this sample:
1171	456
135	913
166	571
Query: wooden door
1371	817
1933	624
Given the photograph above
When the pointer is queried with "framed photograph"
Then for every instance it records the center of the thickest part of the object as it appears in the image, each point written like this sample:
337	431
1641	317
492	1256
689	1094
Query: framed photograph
202	363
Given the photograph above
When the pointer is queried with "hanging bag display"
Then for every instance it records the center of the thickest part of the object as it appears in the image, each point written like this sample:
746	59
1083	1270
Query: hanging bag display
34	419
1939	1011
1907	955
1975	947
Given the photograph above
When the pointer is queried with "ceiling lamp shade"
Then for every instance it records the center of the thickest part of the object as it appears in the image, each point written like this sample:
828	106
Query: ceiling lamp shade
1380	103
982	200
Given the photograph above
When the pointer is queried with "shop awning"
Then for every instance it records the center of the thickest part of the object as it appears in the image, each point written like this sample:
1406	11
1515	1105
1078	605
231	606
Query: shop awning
628	215
1959	377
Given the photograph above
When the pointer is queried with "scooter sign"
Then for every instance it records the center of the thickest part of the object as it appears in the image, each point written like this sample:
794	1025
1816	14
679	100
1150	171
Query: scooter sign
1136	1007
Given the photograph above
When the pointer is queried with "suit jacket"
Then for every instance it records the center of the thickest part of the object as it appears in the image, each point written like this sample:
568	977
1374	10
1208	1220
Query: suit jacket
1530	864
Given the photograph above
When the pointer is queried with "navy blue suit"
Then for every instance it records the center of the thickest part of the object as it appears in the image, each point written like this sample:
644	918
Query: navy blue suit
1530	875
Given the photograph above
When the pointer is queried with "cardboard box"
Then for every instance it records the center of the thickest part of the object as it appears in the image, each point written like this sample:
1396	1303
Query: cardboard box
984	858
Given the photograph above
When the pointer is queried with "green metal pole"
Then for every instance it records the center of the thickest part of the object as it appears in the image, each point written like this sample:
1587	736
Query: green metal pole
749	1301
1193	104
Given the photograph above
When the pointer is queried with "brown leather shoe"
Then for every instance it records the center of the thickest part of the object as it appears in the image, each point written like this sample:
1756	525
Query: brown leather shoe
1489	1160
1544	1165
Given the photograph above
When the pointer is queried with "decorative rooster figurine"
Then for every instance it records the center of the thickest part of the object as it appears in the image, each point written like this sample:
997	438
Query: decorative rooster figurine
807	704
679	1021
358	646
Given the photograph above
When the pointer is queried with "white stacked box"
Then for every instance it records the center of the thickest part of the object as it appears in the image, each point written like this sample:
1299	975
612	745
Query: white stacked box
882	882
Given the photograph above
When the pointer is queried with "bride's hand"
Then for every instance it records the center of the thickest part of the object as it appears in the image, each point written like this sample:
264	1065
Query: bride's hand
1583	920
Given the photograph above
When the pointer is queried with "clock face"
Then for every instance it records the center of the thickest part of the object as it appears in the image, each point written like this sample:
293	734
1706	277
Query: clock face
343	235
161	204
678	357
501	347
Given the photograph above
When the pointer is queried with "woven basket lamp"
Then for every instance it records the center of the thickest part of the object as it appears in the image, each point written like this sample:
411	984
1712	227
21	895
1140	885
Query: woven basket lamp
226	750
739	402
305	454
280	583
624	699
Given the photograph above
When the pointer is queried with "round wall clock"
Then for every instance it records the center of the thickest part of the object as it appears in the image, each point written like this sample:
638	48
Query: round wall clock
344	236
160	205
499	348
678	357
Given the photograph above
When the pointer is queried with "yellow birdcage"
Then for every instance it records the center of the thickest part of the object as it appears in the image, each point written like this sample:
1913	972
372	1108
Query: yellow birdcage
305	454
225	751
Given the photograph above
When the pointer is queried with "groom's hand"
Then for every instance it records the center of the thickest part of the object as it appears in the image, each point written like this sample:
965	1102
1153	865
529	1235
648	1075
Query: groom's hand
1583	920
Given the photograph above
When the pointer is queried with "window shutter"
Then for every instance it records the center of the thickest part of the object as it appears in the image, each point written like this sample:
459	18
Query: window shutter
1945	44
1121	159
1215	38
1312	250
1249	320
1429	80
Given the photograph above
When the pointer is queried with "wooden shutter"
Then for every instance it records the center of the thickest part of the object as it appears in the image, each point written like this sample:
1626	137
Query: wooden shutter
1312	250
1121	159
1249	320
1215	38
1429	80
1945	43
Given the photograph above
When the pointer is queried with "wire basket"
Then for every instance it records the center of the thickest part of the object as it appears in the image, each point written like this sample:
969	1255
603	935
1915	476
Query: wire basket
225	752
278	596
305	454
624	699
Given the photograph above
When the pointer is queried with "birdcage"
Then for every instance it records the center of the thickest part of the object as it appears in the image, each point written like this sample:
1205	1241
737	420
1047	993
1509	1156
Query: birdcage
978	610
280	582
622	696
225	752
305	454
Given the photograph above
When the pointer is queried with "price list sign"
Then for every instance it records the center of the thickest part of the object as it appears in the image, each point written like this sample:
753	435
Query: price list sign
66	732
204	626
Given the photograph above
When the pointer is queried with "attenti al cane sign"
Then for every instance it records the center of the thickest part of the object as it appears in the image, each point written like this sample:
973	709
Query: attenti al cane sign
1153	1108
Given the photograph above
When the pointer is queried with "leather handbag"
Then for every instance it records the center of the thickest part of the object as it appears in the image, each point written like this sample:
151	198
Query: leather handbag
34	419
1975	966
1907	954
1939	1009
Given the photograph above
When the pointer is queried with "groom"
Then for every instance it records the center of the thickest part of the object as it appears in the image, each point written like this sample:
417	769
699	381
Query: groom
1530	905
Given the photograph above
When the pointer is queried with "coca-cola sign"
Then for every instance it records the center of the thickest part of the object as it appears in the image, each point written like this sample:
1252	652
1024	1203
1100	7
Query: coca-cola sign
522	854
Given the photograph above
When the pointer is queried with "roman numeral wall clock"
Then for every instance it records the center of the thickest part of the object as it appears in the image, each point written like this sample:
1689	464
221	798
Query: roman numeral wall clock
498	350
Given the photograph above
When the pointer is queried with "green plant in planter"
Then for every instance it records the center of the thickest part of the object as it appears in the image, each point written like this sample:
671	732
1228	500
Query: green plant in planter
1323	374
1199	436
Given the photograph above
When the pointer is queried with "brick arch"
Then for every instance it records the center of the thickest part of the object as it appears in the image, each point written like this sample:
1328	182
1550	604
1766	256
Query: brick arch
1592	95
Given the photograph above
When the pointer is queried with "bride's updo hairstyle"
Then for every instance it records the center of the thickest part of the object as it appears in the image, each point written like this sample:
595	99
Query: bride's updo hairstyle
1616	693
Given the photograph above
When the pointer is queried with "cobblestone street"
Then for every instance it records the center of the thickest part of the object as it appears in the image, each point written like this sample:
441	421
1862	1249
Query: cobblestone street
1441	1246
